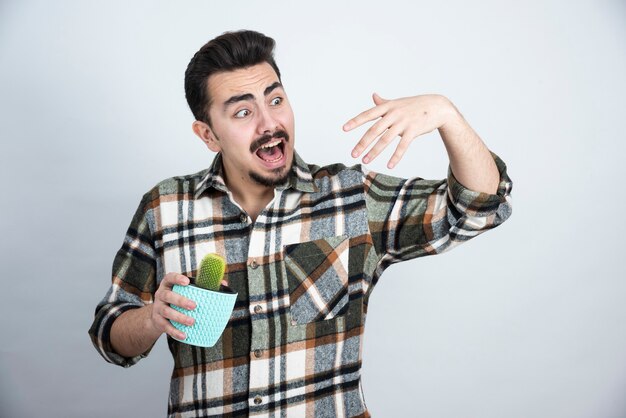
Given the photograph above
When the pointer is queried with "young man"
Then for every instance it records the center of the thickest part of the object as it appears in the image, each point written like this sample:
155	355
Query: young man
304	245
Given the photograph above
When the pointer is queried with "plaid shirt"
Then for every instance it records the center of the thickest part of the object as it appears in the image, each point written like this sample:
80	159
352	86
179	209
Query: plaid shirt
304	271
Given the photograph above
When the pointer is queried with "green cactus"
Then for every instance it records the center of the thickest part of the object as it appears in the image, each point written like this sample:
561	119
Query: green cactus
211	272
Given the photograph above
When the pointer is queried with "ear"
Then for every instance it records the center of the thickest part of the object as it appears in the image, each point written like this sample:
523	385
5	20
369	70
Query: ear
205	133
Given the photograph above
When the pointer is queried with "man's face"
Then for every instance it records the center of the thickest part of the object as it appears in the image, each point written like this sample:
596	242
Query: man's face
252	125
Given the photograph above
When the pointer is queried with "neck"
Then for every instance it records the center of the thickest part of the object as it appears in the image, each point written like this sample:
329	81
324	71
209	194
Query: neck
251	196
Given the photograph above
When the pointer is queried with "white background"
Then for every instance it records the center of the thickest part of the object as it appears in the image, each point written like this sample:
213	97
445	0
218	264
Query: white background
527	320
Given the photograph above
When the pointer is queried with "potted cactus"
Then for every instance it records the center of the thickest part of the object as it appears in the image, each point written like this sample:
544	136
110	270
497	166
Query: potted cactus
214	303
211	272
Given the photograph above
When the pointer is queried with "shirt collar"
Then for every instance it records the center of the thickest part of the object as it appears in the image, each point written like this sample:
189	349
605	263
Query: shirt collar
300	177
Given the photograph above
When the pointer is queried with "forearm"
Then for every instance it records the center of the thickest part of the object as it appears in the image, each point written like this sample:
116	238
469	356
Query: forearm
133	332
470	160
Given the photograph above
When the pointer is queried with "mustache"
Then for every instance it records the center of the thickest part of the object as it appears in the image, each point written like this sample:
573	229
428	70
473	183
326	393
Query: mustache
262	140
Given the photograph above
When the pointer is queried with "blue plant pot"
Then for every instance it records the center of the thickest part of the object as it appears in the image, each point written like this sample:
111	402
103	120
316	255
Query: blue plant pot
213	310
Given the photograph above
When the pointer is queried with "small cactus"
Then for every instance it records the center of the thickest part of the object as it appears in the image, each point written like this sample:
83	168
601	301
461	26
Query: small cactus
211	272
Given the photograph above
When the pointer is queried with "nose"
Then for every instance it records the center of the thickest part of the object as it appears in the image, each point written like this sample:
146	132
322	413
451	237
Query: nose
266	122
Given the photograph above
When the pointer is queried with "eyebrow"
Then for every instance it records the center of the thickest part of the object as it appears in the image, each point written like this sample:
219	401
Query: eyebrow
249	96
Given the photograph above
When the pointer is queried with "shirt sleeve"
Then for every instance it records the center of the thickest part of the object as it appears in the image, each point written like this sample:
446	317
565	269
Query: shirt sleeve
411	218
133	284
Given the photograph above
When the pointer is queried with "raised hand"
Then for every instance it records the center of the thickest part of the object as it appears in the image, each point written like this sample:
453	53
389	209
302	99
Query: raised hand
407	117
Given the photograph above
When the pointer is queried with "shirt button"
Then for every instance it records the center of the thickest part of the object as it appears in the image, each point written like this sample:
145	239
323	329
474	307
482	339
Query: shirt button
243	218
254	264
258	400
258	353
258	309
293	322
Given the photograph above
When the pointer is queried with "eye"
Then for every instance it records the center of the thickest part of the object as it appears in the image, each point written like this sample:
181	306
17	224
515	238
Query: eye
276	101
242	113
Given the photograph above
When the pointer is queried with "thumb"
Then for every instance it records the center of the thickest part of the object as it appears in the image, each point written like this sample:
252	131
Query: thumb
378	100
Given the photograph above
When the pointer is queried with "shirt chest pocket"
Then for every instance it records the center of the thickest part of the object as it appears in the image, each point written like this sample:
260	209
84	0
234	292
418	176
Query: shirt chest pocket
317	272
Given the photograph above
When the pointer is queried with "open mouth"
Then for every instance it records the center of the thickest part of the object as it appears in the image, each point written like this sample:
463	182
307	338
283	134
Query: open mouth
272	151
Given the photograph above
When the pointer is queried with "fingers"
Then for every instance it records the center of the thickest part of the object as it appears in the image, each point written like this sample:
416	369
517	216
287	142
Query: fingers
384	126
173	298
162	312
369	115
370	135
174	315
162	317
165	295
400	150
174	333
381	144
378	100
171	279
364	117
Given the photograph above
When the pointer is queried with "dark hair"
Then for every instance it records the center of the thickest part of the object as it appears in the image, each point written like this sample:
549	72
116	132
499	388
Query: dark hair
229	51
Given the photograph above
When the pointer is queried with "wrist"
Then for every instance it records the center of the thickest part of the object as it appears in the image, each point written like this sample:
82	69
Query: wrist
149	323
454	129
451	117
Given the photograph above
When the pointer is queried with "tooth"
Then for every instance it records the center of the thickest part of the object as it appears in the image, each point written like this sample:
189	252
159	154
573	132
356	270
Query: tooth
271	144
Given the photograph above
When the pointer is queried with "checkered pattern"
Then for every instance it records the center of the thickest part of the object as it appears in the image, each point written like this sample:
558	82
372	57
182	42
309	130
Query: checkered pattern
303	271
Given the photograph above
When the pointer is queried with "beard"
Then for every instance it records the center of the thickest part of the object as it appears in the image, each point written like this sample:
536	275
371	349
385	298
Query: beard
274	181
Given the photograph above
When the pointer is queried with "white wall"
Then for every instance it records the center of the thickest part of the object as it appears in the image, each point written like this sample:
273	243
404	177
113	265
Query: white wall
525	321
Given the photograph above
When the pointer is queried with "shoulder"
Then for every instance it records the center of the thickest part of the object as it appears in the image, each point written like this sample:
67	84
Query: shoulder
337	171
176	187
356	174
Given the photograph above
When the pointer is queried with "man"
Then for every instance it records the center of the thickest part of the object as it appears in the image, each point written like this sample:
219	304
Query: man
304	245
